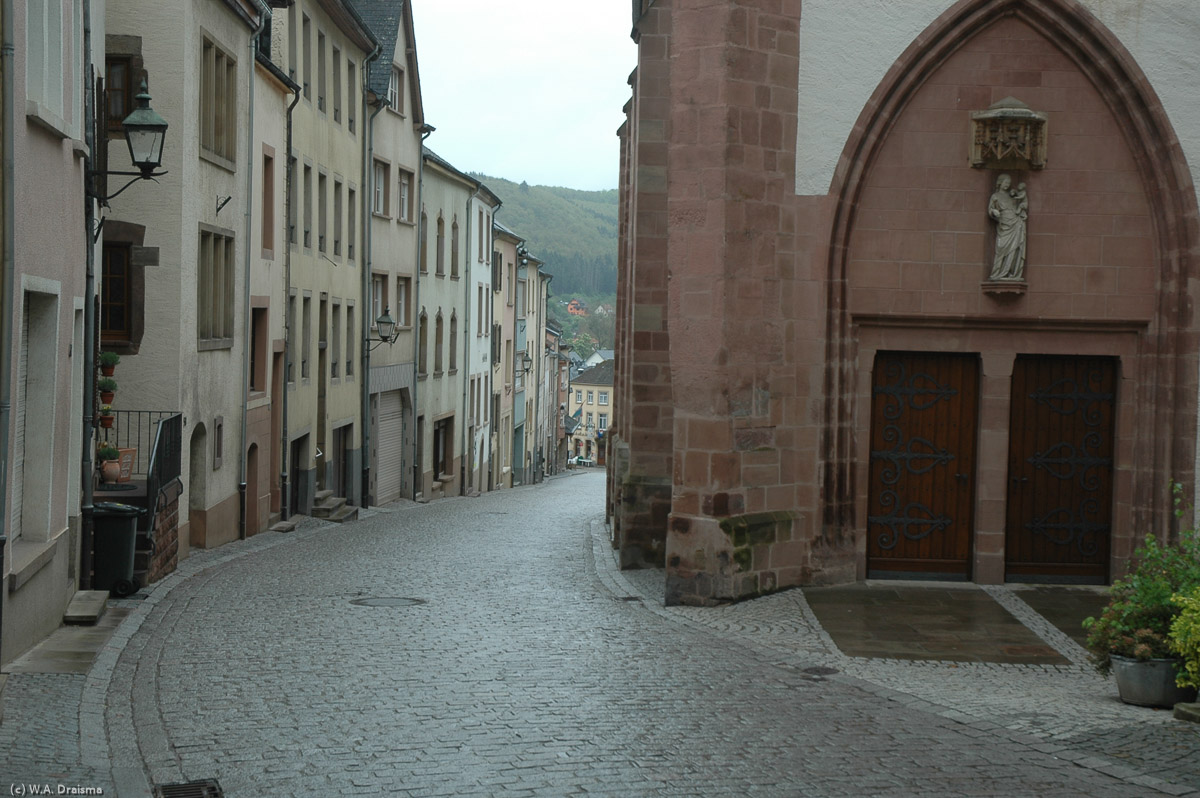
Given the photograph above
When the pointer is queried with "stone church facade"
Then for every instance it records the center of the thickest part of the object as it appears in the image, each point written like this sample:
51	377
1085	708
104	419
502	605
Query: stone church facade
907	289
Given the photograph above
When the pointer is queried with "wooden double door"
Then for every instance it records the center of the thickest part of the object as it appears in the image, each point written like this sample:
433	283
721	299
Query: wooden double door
923	467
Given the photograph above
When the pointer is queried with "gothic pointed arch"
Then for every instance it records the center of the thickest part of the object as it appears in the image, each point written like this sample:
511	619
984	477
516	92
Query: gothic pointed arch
1167	383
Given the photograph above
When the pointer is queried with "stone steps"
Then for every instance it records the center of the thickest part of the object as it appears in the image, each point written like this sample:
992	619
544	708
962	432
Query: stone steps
86	607
328	506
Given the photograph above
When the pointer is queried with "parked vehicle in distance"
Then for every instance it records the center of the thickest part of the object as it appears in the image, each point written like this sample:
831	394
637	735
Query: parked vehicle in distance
581	461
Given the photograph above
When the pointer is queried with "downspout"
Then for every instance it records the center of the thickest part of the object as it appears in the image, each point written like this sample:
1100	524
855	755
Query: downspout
426	132
86	520
462	479
285	498
6	287
264	17
368	177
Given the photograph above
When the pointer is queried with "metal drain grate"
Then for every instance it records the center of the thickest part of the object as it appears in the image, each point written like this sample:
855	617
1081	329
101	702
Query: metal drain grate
385	601
207	788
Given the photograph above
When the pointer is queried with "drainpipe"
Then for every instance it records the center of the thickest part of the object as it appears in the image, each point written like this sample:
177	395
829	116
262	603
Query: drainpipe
285	498
6	288
264	17
368	178
426	132
86	520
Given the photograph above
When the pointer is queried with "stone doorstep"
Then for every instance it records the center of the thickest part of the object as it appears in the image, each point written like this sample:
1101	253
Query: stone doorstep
87	607
329	506
1188	712
344	514
284	526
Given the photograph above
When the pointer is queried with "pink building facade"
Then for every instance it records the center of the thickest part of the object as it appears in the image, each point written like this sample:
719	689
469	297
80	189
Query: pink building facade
930	317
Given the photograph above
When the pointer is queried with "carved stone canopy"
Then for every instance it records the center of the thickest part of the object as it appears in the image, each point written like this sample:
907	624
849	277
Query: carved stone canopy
1009	135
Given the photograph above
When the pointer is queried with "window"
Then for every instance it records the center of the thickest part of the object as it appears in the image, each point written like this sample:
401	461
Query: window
579	397
351	96
424	245
218	102
589	419
521	294
351	333
604	397
268	206
481	236
453	342
379	298
603	421
497	267
443	440
590	395
293	50
320	71
291	336
438	345
293	200
395	95
403	290
405	211
509	292
337	217
45	54
214	289
351	222
119	89
423	346
306	341
336	84
258	350
307	192
322	204
115	310
479	320
336	343
454	249
306	48
441	246
379	202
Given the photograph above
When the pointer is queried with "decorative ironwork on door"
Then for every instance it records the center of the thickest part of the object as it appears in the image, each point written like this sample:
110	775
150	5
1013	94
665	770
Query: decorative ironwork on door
924	408
1060	469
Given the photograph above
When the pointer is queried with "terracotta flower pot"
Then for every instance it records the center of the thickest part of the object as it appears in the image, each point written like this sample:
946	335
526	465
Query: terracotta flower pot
107	371
110	470
1149	683
107	421
106	397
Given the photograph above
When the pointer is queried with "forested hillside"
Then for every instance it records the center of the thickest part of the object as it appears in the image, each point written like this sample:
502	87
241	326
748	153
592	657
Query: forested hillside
574	232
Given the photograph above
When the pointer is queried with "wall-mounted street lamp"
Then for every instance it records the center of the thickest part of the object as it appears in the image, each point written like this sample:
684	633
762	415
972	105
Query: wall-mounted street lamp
526	362
145	134
387	330
523	253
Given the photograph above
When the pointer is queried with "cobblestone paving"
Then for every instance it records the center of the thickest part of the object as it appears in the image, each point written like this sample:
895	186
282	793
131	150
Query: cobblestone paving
526	671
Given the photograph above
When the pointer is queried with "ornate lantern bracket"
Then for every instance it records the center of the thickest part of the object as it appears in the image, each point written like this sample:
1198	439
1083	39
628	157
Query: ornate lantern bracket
1009	135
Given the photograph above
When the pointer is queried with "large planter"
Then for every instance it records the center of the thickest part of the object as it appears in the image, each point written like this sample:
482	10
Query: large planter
1149	683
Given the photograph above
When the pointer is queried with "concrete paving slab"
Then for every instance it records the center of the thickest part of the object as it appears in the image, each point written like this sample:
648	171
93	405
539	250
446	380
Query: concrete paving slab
86	607
69	649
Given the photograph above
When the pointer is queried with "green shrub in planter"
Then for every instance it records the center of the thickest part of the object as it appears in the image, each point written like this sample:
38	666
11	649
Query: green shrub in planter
1185	637
106	384
107	452
109	358
1137	621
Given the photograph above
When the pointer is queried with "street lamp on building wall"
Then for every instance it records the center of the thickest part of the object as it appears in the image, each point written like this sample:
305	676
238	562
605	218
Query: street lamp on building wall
388	331
145	135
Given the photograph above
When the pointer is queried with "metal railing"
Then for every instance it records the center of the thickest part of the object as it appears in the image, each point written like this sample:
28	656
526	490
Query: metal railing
139	430
166	458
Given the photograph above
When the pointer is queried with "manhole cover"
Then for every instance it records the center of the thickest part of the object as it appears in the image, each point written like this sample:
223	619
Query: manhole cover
208	788
385	601
820	670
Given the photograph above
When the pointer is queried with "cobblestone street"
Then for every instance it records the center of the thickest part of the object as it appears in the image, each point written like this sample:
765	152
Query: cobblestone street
529	665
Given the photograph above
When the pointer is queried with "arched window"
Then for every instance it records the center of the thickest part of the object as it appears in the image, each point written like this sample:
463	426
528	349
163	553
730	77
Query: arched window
454	341
441	245
424	242
438	344
454	248
423	345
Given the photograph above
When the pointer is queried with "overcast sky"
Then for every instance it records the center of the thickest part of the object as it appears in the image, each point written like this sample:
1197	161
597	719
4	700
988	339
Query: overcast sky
527	90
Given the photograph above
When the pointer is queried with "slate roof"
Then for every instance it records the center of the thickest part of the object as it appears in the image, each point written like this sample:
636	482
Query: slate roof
599	374
384	18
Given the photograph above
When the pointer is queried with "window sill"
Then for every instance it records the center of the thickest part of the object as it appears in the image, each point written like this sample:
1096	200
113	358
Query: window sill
218	160
29	557
379	215
209	344
421	375
452	372
453	276
407	222
46	119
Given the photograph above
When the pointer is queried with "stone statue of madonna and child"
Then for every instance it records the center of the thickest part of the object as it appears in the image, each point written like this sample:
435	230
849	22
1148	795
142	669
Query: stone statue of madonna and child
1009	208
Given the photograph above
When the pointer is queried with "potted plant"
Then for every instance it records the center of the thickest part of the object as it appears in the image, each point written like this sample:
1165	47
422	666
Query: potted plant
1131	636
106	416
107	387
108	362
110	466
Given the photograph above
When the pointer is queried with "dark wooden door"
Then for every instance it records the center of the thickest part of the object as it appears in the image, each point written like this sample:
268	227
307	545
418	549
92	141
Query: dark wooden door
924	413
1060	469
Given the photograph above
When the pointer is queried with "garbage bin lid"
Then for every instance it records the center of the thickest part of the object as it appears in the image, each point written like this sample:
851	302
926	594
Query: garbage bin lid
116	508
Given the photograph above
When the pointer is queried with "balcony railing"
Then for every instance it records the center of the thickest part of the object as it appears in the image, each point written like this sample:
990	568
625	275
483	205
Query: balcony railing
139	429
